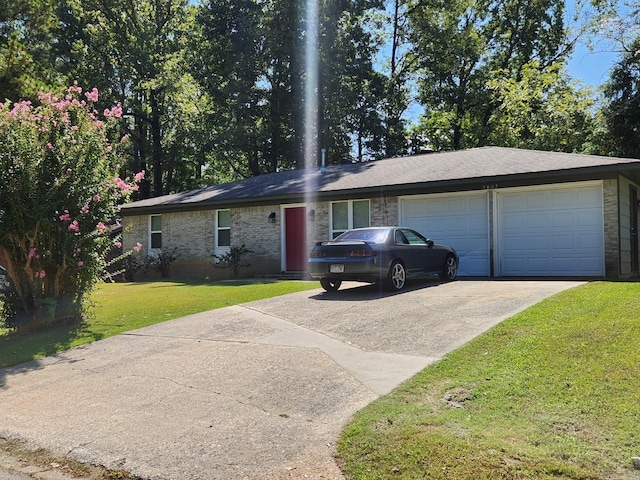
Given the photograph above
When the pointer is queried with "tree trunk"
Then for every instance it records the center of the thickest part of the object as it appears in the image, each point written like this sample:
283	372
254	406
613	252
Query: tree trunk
156	138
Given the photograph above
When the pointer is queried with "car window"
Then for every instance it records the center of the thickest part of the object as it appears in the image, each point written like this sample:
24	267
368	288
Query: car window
414	238
401	239
372	236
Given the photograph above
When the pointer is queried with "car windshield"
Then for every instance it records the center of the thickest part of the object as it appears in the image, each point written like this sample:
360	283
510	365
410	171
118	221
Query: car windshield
365	235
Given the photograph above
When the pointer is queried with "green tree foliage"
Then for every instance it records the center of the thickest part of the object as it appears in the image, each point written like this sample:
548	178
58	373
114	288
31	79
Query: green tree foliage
58	195
255	74
622	112
617	23
350	91
137	51
214	91
463	45
232	65
398	69
542	110
26	59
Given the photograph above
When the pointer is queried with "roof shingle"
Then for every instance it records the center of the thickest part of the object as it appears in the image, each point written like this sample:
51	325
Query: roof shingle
389	174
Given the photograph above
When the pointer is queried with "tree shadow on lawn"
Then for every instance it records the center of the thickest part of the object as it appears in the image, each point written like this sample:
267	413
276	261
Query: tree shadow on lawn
21	353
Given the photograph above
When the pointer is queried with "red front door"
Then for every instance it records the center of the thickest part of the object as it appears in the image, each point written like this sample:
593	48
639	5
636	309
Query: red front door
295	225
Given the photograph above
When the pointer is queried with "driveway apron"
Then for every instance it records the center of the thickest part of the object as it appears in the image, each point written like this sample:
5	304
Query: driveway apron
259	390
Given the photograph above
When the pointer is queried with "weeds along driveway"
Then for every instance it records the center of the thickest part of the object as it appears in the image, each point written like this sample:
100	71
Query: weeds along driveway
259	390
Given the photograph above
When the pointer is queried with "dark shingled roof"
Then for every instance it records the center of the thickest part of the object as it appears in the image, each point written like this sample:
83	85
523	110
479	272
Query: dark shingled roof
447	171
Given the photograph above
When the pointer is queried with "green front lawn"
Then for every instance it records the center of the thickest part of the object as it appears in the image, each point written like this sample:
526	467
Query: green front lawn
553	392
119	307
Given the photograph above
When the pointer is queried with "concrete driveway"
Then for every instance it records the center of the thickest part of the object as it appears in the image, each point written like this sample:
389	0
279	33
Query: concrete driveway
259	390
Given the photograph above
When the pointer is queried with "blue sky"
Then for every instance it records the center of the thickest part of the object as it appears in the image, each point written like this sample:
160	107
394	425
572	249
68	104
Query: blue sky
592	68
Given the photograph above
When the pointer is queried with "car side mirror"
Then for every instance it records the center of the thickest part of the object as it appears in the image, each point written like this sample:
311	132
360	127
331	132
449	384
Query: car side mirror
429	243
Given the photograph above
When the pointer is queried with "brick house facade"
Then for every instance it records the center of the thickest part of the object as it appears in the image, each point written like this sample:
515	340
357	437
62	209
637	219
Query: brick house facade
578	213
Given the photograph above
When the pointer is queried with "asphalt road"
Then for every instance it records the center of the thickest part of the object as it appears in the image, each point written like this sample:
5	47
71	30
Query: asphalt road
259	390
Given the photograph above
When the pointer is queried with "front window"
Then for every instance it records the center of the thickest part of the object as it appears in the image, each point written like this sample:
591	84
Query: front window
155	223
349	214
223	232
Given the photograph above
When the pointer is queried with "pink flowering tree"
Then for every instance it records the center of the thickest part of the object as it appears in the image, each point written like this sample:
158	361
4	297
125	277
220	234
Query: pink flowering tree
59	195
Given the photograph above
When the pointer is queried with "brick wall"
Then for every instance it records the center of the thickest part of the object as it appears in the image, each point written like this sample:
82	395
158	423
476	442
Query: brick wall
251	227
192	234
384	211
611	228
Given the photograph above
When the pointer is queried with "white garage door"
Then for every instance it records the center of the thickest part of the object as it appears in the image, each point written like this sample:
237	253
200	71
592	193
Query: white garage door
555	231
460	221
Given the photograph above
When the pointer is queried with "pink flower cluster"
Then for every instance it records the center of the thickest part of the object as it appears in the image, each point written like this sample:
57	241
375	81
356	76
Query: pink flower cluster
75	88
40	274
92	95
124	186
114	112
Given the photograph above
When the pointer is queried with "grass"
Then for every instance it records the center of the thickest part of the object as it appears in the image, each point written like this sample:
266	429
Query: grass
120	307
550	393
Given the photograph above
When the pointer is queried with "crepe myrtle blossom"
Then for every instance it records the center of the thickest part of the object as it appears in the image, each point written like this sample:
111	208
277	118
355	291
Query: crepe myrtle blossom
113	112
124	186
92	95
50	143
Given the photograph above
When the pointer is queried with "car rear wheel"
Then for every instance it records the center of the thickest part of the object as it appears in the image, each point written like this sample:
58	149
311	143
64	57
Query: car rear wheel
450	269
397	276
330	285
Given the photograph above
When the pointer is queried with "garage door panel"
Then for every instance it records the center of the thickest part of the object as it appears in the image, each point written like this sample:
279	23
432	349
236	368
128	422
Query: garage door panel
535	201
563	220
563	242
588	242
592	197
513	222
537	221
590	218
460	221
560	231
562	200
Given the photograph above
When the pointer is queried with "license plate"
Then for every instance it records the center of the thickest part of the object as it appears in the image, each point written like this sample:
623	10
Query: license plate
337	268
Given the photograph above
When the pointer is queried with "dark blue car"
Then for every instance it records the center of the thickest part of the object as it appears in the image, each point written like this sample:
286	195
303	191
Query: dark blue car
380	254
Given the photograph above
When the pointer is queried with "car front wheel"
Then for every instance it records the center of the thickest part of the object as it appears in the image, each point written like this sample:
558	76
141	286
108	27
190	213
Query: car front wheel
330	285
397	276
450	269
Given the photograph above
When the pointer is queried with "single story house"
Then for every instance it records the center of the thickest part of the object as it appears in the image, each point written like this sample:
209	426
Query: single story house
506	211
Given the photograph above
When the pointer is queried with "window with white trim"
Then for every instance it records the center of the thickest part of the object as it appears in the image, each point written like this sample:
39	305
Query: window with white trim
223	232
349	214
155	232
